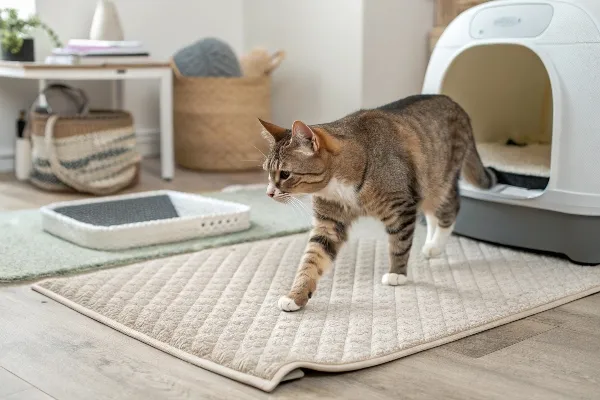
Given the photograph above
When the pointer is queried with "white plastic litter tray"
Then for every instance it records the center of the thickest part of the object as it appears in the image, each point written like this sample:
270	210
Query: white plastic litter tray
142	219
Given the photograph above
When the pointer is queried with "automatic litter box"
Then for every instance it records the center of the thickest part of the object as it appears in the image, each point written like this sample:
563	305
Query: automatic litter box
527	74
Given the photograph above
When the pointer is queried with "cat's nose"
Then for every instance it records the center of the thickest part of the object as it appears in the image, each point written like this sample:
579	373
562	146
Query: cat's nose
271	194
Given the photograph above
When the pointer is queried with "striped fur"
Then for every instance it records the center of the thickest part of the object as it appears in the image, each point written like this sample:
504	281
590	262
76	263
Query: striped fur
388	163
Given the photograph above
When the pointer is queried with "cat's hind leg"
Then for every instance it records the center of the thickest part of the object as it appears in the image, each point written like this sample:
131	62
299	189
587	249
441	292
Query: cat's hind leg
432	223
442	223
400	231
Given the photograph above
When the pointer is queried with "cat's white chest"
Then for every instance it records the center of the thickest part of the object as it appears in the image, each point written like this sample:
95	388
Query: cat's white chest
339	192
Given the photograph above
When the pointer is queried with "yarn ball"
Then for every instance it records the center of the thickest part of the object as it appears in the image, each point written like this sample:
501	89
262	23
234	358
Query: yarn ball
208	57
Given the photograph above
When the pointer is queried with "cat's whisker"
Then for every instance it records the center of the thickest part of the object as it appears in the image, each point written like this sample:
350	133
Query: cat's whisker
303	206
260	151
253	161
283	198
295	203
298	204
287	200
295	208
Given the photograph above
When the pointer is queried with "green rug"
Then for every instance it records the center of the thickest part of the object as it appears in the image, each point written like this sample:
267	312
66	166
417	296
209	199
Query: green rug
27	252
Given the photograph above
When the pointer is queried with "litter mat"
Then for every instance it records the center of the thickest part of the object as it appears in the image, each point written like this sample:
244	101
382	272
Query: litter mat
142	219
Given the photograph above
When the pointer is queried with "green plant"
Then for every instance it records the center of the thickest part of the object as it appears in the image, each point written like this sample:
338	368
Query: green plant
14	29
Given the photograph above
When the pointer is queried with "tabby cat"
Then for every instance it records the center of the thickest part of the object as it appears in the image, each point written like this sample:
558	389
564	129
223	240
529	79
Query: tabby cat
386	163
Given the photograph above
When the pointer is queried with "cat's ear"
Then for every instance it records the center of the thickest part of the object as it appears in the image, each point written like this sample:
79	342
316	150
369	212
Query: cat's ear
301	130
276	132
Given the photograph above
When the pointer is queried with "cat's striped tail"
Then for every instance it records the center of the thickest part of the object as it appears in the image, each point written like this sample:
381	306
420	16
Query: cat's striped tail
475	172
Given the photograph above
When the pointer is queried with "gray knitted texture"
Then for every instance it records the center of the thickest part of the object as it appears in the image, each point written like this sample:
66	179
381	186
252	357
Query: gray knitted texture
209	57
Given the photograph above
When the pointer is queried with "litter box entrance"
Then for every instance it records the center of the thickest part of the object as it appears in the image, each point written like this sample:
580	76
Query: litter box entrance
507	92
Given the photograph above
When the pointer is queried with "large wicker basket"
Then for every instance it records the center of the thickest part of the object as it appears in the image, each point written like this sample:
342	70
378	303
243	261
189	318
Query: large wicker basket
216	121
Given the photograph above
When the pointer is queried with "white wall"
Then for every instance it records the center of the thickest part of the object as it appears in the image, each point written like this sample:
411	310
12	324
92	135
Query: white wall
341	54
320	78
395	48
13	96
76	25
163	25
25	7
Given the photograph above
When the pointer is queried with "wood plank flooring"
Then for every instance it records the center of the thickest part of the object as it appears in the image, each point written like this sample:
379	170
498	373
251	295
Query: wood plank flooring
48	351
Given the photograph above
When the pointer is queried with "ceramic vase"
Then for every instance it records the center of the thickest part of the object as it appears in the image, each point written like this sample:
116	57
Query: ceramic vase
106	24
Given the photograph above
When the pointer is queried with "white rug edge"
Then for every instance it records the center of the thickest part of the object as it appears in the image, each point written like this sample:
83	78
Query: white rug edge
290	371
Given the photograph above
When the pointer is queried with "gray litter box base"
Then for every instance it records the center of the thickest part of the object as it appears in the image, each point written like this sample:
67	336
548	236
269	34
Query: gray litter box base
575	236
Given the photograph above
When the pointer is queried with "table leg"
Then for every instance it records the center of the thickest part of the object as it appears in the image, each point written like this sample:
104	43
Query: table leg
116	90
42	99
167	153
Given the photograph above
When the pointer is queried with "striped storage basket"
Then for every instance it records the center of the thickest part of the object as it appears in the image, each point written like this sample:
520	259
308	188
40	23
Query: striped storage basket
91	153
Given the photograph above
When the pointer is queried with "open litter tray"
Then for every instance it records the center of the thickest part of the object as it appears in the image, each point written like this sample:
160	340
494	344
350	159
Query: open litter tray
142	219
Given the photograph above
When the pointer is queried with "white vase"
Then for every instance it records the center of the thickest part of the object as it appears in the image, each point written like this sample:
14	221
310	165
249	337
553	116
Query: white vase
106	24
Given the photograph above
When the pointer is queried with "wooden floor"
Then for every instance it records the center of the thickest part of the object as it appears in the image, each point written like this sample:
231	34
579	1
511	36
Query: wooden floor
49	351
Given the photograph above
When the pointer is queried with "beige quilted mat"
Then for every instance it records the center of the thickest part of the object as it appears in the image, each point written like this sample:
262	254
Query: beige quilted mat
218	308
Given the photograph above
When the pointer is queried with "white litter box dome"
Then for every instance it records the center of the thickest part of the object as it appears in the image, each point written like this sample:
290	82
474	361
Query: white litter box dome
527	74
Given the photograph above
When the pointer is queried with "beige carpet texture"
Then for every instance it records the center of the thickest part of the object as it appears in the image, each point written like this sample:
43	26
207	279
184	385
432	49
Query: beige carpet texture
217	308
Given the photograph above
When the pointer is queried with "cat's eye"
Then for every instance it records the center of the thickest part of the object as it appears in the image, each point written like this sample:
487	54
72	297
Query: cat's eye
283	175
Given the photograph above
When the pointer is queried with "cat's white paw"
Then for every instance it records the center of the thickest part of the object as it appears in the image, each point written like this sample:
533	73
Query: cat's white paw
287	304
394	279
431	250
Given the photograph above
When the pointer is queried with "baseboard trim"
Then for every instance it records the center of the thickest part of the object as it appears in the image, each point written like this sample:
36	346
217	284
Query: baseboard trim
7	160
148	144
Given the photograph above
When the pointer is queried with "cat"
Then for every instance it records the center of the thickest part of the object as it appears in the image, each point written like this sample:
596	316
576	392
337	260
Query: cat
388	162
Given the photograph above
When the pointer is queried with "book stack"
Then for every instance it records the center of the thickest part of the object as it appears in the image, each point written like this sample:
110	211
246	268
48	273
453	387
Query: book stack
98	52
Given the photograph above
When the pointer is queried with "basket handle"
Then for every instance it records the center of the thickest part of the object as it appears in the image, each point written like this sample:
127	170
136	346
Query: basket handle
276	60
77	95
63	174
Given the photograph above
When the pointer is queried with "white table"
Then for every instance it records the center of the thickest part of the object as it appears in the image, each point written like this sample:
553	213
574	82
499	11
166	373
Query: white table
115	73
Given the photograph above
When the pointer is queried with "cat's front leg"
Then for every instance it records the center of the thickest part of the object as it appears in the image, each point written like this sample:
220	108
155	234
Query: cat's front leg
400	227
325	241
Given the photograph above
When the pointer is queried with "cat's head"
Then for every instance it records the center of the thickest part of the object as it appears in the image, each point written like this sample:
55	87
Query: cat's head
298	161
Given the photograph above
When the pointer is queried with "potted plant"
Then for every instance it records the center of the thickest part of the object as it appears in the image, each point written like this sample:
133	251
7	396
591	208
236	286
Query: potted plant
16	42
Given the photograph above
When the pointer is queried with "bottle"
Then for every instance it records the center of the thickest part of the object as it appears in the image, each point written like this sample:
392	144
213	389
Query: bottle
22	150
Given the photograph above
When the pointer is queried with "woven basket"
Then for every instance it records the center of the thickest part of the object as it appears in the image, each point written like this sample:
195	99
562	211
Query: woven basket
93	153
216	121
